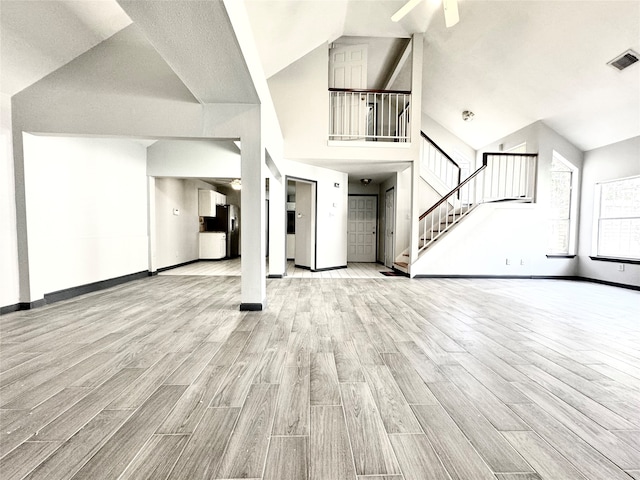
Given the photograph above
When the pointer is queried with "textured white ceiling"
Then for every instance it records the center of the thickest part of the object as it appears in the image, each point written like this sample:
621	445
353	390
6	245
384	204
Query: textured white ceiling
199	44
511	62
115	66
38	37
285	31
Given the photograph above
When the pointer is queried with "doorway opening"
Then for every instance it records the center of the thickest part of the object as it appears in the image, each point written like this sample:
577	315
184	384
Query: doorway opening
301	231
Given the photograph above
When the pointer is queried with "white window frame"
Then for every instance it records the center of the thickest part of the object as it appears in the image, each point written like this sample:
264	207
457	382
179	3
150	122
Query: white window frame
573	207
597	217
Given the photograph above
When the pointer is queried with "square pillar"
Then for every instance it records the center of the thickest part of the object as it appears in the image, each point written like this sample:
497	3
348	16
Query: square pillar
252	226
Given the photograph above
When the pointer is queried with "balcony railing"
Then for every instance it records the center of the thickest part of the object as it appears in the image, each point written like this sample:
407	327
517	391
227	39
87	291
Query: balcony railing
369	115
436	161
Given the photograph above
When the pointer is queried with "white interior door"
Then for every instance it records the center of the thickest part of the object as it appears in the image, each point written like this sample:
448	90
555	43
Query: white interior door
305	225
348	70
348	66
361	246
389	222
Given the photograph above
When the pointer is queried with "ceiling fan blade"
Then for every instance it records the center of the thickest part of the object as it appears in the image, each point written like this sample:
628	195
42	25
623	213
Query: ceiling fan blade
406	8
451	16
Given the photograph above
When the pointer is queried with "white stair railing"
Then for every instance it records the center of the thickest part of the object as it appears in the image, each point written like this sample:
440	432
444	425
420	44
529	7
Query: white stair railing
369	115
501	177
436	161
509	176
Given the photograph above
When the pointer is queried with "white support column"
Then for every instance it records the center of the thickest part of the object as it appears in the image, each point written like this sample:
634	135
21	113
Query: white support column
151	219
415	125
253	283
277	227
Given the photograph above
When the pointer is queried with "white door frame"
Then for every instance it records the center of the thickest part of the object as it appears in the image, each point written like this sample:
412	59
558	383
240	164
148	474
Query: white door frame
389	227
313	233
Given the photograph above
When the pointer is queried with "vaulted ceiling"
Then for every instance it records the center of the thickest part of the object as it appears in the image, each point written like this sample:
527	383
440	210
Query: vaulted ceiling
511	62
38	37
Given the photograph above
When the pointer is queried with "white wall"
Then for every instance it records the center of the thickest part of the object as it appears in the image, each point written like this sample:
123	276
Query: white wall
301	98
357	188
331	248
123	87
483	241
177	235
86	207
544	141
618	160
446	140
9	275
194	159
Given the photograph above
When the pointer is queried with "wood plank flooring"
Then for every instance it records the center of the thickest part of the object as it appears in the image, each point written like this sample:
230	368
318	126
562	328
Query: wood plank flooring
232	268
360	378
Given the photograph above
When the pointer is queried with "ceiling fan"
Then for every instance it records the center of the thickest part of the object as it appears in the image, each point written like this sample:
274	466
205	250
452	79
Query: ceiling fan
451	16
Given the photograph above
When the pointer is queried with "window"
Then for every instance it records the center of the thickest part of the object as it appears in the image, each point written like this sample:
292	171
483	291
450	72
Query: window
561	208
617	217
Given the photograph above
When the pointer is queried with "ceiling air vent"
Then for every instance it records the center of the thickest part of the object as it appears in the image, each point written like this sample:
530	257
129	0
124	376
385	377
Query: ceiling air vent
623	61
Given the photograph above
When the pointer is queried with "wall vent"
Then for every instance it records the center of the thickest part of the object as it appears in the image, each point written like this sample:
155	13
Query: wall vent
625	60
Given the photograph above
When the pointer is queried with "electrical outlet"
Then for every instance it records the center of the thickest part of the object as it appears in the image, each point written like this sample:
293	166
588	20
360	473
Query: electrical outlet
521	261
621	267
507	262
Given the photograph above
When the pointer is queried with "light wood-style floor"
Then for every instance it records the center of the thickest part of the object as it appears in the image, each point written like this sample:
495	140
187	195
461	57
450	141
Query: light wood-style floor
368	379
232	268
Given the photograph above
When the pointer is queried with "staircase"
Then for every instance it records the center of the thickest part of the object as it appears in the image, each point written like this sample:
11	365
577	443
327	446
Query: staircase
502	177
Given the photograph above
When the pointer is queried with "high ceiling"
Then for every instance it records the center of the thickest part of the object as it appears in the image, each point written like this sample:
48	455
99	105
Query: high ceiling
511	62
38	37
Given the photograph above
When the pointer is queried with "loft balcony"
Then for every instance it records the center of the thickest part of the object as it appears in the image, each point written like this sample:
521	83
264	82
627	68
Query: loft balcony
361	115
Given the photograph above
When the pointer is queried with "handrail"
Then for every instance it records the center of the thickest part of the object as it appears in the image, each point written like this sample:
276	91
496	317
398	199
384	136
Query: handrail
437	147
485	155
365	90
432	163
502	176
455	189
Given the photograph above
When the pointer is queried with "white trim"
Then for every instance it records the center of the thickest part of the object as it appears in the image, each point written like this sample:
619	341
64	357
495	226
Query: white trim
362	143
573	203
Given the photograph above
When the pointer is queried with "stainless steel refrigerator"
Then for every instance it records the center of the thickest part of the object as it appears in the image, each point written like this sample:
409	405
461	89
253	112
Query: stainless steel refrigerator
227	220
